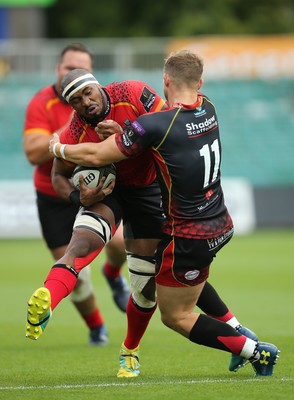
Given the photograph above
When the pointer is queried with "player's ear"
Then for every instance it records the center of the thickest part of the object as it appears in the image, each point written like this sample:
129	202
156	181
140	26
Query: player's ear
57	69
165	79
200	84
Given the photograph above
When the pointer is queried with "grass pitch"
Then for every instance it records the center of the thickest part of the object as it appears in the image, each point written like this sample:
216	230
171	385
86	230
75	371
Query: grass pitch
253	274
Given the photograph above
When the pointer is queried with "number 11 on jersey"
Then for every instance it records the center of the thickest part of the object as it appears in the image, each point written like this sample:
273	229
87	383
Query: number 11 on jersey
205	152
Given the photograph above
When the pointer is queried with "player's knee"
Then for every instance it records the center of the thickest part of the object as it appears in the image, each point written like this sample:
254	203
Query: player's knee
94	223
170	321
79	247
142	280
83	288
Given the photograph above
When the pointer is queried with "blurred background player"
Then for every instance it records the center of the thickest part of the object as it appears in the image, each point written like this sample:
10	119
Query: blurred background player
48	112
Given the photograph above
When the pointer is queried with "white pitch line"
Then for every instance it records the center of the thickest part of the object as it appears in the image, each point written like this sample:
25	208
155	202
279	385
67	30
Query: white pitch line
193	382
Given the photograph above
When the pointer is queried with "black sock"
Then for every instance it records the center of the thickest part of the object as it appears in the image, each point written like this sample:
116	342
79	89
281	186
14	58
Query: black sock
208	331
210	302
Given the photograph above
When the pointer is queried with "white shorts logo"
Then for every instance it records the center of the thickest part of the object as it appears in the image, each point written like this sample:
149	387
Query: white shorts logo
190	275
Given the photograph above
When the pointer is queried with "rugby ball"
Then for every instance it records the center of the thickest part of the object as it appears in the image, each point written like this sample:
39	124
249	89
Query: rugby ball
92	175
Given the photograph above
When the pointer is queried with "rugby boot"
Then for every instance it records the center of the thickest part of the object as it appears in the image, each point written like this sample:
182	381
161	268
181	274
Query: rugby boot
129	363
98	336
238	361
38	313
268	357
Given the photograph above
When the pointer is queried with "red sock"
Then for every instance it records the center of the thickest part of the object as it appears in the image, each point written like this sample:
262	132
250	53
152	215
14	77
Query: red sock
94	319
137	324
111	271
225	318
60	282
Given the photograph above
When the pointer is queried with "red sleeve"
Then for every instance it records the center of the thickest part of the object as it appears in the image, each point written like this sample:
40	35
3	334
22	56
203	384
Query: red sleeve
36	118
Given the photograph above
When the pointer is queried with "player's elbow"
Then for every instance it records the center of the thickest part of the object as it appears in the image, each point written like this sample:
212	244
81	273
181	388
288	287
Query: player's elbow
34	158
31	158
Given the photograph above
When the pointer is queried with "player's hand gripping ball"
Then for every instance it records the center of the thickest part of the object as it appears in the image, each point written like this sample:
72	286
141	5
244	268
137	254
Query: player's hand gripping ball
92	175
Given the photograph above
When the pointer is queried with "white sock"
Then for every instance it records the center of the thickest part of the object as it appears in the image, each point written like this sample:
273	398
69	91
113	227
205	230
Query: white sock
250	350
233	322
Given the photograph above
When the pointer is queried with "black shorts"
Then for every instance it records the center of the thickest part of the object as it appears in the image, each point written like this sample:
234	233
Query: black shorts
56	218
140	209
185	262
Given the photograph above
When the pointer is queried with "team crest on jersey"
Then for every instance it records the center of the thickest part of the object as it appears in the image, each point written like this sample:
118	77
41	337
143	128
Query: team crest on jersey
147	99
191	275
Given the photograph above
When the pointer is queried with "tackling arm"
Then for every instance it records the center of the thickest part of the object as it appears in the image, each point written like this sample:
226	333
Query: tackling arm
87	154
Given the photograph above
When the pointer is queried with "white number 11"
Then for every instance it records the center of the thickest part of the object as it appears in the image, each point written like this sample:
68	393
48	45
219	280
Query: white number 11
205	152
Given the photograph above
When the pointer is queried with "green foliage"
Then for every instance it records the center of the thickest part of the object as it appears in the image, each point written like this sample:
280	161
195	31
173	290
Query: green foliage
253	274
167	19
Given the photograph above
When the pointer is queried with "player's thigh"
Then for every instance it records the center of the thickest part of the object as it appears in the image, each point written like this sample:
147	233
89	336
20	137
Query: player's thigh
117	241
142	212
178	300
115	249
143	247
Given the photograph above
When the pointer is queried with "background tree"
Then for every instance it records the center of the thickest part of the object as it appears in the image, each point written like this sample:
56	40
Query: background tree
163	18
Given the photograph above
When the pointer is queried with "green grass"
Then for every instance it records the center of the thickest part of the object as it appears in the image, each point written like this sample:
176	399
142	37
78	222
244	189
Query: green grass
254	275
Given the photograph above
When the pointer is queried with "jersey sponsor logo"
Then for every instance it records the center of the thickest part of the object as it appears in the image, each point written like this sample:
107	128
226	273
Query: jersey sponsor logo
216	242
199	112
208	194
191	275
131	133
138	128
147	98
126	138
208	203
195	129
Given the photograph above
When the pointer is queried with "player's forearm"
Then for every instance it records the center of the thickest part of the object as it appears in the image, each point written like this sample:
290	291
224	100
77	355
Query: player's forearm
36	148
89	154
81	154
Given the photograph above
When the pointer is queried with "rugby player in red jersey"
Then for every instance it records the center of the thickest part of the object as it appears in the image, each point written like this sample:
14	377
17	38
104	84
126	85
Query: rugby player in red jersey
48	112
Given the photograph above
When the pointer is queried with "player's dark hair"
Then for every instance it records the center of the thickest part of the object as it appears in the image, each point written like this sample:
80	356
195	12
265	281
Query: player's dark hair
76	47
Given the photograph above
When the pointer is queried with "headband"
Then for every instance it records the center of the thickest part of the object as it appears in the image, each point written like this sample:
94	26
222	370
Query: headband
77	84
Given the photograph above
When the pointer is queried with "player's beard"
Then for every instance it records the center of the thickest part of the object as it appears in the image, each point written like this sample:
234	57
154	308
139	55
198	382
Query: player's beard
105	109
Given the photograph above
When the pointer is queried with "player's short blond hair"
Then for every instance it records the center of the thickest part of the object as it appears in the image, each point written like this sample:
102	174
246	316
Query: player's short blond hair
184	67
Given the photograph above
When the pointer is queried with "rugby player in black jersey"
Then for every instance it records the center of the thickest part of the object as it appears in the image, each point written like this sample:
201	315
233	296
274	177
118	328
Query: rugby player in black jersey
186	148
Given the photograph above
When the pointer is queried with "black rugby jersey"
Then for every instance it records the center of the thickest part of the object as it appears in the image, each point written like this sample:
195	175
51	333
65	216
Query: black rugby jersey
186	147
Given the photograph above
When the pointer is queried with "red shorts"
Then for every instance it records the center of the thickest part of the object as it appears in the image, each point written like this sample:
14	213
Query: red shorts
186	262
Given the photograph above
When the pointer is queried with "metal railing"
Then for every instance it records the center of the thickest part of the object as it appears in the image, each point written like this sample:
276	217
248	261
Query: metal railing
30	56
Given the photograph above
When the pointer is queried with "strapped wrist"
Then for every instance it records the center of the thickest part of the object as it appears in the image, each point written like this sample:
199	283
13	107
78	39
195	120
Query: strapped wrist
74	198
60	150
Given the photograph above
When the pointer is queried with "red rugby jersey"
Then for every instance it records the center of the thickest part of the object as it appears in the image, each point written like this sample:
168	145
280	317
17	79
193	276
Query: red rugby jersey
129	100
46	113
